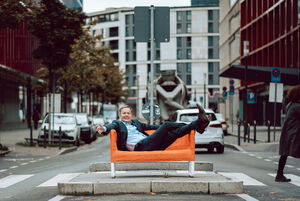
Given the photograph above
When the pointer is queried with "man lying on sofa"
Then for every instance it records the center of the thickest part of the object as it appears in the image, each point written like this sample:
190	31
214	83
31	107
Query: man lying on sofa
132	136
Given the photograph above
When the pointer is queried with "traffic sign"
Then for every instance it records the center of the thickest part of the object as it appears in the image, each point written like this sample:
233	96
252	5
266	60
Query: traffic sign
146	111
142	24
275	75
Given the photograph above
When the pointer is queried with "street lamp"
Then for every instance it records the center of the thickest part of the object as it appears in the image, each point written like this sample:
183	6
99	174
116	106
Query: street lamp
246	53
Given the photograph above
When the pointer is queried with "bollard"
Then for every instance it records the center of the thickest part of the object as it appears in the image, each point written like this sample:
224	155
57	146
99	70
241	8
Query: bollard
254	132
45	137
248	132
239	133
269	137
245	130
59	133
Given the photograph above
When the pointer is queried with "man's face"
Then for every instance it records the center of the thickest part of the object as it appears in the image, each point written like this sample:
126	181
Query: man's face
125	114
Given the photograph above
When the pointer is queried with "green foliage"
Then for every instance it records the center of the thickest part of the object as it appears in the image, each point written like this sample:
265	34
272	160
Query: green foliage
12	12
57	27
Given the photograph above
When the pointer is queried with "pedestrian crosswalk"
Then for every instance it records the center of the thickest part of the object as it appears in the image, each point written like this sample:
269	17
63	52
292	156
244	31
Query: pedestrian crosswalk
247	180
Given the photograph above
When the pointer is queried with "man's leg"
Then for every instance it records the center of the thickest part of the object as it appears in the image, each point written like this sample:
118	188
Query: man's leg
158	138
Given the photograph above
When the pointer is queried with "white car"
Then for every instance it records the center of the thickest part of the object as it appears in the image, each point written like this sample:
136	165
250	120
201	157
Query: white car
67	123
212	137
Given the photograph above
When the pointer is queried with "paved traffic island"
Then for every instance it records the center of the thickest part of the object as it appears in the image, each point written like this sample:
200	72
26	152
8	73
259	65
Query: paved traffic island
147	181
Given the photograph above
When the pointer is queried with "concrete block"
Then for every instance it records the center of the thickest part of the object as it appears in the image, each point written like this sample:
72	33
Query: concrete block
182	165
218	187
75	188
179	187
121	187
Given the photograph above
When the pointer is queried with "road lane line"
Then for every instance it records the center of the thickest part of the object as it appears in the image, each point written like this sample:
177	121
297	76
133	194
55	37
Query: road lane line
13	167
267	160
3	170
13	179
59	178
295	179
57	198
290	166
32	161
247	197
23	163
248	181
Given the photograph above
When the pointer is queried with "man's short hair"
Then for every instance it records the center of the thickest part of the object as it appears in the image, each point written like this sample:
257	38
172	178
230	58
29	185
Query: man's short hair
125	106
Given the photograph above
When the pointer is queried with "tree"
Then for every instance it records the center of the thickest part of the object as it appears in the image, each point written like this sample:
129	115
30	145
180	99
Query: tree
57	27
12	12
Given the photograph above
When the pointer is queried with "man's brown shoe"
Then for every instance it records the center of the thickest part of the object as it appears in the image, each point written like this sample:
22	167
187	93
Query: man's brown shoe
204	120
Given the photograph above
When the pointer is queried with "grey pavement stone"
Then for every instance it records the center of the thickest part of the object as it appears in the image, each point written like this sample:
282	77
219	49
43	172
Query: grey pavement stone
151	181
75	188
121	187
181	165
221	187
161	186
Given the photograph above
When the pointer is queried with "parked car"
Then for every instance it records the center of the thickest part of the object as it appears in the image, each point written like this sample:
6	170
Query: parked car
223	123
213	135
67	123
96	120
86	133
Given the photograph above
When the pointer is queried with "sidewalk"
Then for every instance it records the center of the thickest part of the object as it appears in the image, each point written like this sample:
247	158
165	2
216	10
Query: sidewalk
262	143
10	138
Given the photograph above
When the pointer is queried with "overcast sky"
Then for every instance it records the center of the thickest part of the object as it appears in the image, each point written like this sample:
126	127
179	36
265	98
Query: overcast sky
99	5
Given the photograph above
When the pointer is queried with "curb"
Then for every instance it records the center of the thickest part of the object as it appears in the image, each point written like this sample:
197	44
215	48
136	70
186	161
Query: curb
67	150
234	147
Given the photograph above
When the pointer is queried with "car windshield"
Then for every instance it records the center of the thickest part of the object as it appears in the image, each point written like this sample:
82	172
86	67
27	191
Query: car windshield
62	119
193	117
81	119
98	121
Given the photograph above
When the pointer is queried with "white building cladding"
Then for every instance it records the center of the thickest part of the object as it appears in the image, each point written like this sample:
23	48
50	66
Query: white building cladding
193	51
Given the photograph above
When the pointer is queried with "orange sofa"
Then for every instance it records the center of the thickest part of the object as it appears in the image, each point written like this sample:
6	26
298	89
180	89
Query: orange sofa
183	149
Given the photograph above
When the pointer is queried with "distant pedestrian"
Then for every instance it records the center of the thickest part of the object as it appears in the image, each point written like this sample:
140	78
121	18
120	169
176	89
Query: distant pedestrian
290	135
36	118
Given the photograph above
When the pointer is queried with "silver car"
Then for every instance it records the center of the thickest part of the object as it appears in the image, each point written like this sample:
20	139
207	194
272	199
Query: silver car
212	137
67	122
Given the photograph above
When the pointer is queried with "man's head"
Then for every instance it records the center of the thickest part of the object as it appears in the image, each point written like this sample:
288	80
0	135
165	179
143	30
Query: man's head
293	94
125	113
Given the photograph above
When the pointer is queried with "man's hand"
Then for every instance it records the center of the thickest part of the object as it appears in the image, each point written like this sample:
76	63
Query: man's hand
100	129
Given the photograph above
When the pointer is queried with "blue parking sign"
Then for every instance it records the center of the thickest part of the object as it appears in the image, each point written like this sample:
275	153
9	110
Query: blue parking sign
275	75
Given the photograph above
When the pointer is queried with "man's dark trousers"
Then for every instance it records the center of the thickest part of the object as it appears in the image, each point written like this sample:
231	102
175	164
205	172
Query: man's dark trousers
165	135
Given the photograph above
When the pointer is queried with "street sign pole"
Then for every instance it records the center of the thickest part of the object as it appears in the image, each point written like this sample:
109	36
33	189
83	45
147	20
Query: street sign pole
151	61
275	111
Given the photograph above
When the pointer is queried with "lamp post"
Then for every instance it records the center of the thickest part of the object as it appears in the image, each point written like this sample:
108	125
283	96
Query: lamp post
246	53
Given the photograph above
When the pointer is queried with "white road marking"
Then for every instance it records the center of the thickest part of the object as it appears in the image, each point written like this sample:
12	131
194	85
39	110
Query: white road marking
57	198
3	170
258	157
275	163
23	163
13	167
248	181
295	179
290	166
247	197
32	161
59	178
298	168
267	160
251	155
13	179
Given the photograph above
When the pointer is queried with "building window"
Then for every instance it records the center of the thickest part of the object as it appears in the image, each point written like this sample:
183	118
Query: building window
210	41
188	41
210	67
210	27
178	68
113	31
188	15
188	28
188	68
189	79
188	54
210	53
210	15
178	41
179	30
179	15
210	79
127	19
179	54
127	31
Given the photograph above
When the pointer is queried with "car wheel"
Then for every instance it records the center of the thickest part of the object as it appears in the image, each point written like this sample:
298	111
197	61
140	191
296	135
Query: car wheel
210	150
220	149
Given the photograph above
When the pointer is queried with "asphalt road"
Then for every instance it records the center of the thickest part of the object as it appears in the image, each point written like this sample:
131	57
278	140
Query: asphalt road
35	178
